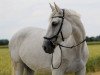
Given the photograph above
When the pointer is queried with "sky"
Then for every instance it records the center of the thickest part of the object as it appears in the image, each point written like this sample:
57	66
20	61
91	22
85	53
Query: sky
18	14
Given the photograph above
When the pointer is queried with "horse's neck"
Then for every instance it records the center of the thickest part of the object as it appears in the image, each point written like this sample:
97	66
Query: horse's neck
78	29
78	34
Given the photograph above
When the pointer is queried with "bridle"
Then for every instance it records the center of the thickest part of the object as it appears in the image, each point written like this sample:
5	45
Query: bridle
59	31
56	37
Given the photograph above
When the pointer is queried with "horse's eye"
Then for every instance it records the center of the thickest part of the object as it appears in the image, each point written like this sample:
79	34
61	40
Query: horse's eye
54	23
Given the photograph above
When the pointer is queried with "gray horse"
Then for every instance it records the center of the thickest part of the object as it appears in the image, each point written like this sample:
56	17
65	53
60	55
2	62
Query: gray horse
64	45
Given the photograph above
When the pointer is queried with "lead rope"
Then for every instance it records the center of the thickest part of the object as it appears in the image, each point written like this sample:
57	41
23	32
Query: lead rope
60	60
61	53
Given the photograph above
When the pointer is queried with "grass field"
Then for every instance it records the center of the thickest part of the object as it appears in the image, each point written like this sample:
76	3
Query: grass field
5	63
93	64
94	58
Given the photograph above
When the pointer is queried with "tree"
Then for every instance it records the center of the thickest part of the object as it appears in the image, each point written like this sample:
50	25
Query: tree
91	39
4	42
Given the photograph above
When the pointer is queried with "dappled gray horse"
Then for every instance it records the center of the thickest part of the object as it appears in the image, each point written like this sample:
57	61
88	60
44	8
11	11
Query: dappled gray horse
63	48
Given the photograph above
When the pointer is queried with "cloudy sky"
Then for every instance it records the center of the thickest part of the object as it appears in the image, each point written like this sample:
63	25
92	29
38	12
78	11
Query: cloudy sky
17	14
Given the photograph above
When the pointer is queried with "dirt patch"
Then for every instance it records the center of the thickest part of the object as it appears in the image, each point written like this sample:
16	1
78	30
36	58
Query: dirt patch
94	73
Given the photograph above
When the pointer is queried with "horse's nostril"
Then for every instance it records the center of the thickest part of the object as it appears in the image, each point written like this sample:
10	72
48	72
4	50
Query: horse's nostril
44	47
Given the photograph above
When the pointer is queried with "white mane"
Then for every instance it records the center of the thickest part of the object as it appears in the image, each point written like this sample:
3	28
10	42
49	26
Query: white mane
70	12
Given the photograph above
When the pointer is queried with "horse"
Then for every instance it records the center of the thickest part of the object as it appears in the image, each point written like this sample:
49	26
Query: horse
61	48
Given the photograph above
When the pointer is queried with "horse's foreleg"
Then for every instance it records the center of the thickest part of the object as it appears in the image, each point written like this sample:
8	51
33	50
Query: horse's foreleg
81	72
28	71
57	72
18	67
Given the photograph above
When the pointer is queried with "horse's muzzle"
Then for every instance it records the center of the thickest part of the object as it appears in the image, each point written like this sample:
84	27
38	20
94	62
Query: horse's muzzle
48	46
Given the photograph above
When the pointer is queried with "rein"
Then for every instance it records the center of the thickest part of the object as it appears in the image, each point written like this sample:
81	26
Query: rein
61	52
60	46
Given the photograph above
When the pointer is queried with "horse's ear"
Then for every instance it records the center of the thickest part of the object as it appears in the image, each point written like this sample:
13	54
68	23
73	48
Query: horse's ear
57	8
52	7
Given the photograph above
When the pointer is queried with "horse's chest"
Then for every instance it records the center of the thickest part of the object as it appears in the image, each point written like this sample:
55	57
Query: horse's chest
74	65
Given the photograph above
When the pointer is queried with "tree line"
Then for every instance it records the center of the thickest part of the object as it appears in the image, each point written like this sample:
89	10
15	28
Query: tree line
88	39
91	39
4	41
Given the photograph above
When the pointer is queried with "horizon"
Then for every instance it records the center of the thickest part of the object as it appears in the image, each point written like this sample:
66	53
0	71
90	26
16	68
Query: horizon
19	14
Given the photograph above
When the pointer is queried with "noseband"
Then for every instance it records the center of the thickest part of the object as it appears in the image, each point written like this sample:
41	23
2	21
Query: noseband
56	36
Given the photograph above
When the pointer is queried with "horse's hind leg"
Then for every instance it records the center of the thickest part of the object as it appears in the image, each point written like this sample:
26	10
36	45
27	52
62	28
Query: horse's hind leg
18	68
28	71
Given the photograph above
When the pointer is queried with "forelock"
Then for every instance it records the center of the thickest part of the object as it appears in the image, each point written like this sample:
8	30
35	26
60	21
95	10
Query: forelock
68	12
52	14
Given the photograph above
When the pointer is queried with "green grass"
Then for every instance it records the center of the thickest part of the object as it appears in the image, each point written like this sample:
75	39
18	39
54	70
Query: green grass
5	63
94	50
93	43
92	65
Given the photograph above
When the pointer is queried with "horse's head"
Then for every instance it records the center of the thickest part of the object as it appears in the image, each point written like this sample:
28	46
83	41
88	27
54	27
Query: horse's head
59	29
